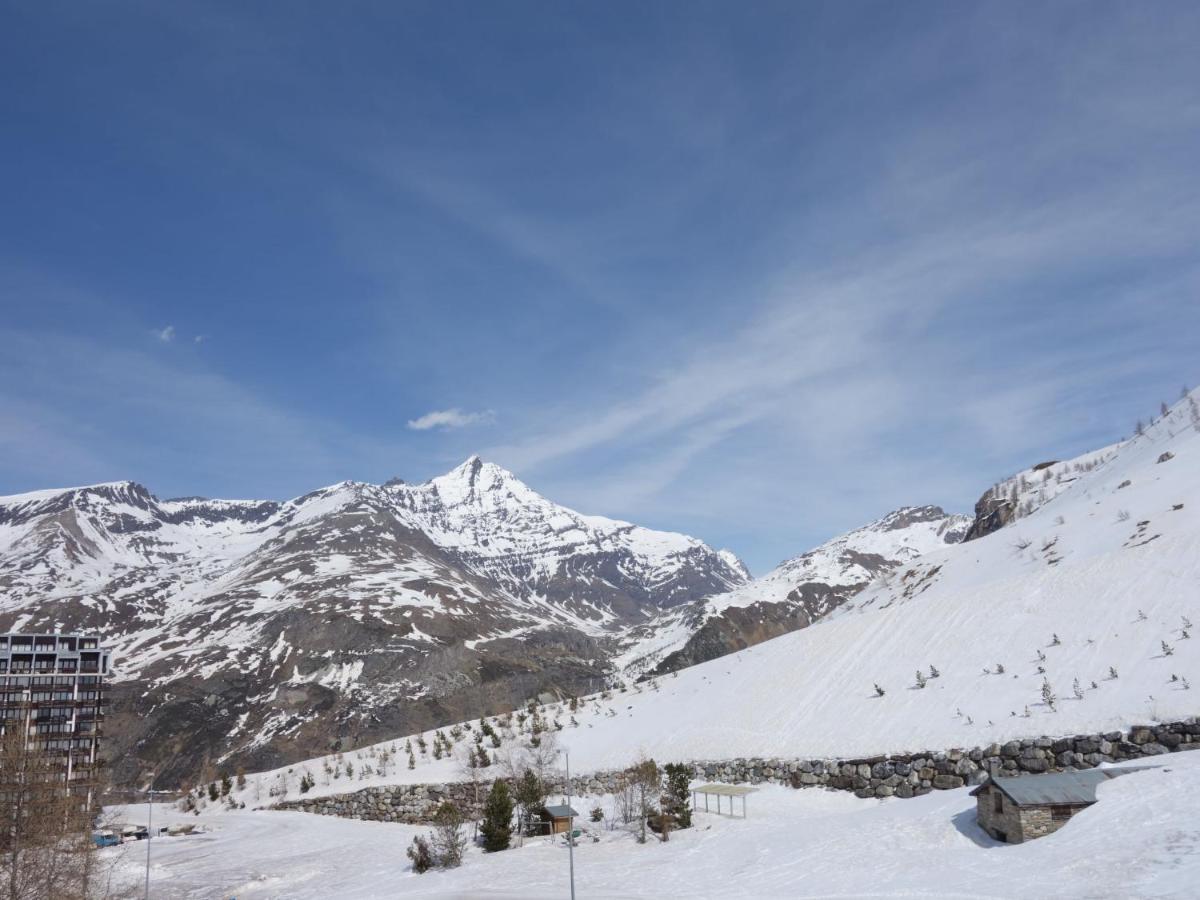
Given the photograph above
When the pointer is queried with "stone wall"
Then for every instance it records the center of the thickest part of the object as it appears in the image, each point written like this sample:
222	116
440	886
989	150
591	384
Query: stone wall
892	775
1004	825
913	774
1039	821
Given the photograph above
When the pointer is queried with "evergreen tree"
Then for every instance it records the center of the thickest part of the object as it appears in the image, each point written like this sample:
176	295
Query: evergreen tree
497	818
676	800
449	841
530	794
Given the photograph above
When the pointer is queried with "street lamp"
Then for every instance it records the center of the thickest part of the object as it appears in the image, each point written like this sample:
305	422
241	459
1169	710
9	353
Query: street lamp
570	824
150	831
150	794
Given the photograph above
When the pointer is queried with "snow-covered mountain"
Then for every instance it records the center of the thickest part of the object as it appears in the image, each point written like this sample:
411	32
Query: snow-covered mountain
265	629
1079	618
793	595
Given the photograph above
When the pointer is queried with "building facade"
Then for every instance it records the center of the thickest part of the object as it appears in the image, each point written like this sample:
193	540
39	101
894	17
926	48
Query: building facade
1020	809
52	697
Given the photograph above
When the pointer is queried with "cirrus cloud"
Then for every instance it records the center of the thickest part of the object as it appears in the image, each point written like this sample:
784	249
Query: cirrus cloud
447	419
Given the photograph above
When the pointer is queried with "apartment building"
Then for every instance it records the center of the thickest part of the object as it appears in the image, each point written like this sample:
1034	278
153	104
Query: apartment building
52	692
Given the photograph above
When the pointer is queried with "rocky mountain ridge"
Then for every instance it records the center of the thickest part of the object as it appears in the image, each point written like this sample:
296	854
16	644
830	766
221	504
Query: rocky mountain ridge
793	595
255	630
249	633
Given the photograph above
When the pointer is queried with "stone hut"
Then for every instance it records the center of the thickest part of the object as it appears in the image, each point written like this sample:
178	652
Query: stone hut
1031	806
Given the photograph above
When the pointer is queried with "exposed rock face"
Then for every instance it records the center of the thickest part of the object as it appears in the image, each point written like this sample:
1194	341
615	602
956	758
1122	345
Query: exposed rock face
1013	498
992	513
255	633
793	595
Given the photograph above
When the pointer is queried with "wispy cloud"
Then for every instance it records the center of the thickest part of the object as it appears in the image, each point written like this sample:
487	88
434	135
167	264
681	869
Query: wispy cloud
448	419
77	410
166	334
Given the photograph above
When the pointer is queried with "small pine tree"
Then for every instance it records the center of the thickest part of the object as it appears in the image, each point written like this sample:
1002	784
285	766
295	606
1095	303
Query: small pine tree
999	668
879	692
1048	696
1077	690
497	818
1141	615
1054	641
1112	673
1041	656
241	779
921	682
530	793
421	855
421	745
449	840
934	673
214	793
1167	649
675	802
227	784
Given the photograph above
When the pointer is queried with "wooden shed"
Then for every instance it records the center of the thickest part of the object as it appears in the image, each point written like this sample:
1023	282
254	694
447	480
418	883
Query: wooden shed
560	818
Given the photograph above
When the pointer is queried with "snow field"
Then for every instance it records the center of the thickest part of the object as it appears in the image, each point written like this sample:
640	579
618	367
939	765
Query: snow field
1141	840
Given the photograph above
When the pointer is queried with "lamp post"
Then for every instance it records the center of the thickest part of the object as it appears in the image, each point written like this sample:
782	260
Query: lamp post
570	824
150	829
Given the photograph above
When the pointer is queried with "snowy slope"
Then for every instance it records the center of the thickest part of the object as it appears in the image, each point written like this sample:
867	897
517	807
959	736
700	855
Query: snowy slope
1142	839
1110	566
794	594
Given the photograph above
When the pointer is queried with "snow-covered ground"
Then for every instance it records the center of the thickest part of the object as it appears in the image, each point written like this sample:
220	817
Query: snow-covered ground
1141	840
1109	568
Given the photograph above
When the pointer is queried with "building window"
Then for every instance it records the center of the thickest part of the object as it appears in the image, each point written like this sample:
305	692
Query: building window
997	802
1060	813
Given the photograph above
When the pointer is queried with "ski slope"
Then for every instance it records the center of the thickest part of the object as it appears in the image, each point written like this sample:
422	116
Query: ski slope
1111	565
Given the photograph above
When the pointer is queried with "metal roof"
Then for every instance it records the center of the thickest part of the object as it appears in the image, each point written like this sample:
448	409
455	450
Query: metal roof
725	790
561	812
1055	788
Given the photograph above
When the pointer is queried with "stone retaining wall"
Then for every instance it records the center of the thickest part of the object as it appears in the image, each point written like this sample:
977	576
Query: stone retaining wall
898	775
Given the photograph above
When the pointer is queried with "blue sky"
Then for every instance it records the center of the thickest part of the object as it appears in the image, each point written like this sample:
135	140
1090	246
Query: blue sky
757	272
